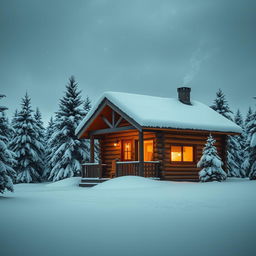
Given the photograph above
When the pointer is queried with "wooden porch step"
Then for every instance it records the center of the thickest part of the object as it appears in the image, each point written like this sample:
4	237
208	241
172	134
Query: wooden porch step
90	182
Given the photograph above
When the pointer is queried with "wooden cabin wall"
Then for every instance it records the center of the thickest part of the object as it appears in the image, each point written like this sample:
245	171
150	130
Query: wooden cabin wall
174	171
109	152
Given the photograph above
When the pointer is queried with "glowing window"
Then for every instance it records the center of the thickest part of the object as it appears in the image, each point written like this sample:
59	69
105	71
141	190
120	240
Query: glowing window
127	150
148	150
176	153
182	154
187	154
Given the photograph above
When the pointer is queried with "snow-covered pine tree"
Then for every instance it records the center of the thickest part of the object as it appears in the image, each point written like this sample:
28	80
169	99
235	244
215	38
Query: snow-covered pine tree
48	148
234	158
13	122
40	131
252	147
210	163
26	145
246	165
87	105
239	154
7	157
68	151
221	106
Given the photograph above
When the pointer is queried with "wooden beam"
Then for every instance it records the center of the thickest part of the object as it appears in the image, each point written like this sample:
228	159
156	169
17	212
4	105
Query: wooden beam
106	121
124	115
118	121
141	154
91	149
111	130
113	118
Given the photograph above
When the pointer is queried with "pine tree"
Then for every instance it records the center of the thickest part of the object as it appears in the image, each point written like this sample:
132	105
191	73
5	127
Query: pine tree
7	173
252	147
26	145
221	106
240	139
210	163
40	133
48	148
87	105
246	164
68	151
234	158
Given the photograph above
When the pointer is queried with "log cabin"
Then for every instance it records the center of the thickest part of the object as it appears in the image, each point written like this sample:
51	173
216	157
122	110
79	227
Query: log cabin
150	136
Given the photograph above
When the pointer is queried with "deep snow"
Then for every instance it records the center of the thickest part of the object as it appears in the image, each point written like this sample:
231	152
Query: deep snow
129	216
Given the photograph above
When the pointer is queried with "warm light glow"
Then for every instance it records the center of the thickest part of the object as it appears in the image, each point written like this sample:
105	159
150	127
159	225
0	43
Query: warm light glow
115	144
127	150
182	154
176	153
148	150
187	154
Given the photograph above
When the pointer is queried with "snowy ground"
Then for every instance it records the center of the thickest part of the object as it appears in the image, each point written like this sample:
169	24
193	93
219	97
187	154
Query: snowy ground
129	216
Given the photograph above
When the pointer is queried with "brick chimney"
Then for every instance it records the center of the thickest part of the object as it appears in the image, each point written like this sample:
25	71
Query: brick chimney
184	95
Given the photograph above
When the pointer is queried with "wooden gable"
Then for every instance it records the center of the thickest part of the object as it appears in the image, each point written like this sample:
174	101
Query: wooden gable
107	119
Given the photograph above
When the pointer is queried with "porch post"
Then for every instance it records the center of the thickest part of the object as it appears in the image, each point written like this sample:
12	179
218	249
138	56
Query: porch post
92	149
141	154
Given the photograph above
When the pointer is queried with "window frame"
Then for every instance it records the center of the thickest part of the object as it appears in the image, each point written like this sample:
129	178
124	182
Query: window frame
183	162
123	149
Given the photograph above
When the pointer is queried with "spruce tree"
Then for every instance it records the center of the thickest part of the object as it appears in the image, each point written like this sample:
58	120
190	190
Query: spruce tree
48	148
87	105
68	151
240	139
210	163
246	164
252	147
221	106
40	133
7	157
26	145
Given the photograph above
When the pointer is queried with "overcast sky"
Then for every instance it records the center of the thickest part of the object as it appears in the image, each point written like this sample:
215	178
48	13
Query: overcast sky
138	46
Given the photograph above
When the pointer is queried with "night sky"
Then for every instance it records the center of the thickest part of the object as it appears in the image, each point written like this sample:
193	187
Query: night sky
143	46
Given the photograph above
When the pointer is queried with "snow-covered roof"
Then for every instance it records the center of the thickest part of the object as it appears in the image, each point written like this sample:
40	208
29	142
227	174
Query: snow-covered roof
159	112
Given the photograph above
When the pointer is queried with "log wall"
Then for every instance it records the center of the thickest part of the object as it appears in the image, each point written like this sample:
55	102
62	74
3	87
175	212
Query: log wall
162	145
184	171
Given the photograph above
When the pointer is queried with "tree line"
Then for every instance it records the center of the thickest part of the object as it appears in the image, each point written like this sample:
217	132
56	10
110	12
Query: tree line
29	152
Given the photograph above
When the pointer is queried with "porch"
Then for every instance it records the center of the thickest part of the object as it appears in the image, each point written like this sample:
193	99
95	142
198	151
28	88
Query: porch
93	173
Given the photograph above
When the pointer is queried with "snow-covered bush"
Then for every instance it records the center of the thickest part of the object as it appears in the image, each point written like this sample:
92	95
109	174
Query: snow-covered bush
210	163
7	173
26	145
67	151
